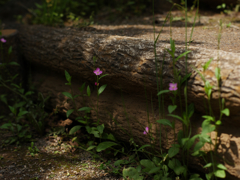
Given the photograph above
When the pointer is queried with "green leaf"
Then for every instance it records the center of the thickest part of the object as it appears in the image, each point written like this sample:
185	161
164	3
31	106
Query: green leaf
174	163
88	91
103	76
173	150
10	50
208	165
206	65
14	63
154	170
82	87
183	54
220	173
179	169
147	163
165	122
100	128
142	147
132	173
69	112
22	113
85	109
121	161
13	110
5	126
101	89
104	145
191	141
68	77
217	73
171	108
226	111
185	78
74	129
90	148
218	122
198	146
163	91
29	93
69	95
221	166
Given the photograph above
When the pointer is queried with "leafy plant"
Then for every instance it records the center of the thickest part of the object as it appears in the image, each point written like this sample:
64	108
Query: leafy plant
33	150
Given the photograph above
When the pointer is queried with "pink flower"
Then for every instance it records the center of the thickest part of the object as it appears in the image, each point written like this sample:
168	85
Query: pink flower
3	40
97	71
96	84
172	86
146	130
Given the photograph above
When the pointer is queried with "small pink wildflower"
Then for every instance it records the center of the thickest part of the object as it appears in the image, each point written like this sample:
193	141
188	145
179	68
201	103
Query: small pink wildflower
96	84
97	71
172	86
146	130
3	40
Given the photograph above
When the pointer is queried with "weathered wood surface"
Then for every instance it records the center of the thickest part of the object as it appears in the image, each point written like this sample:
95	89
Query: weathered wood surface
130	62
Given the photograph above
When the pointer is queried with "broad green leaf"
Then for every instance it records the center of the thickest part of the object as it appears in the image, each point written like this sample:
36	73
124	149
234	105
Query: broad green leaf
90	148
209	176
147	163
218	122
14	63
69	95
68	77
100	128
220	173
29	93
13	110
85	109
88	91
173	151
173	163
179	169
132	173
22	113
74	129
191	141
204	138
208	128
154	170
165	122
221	166
163	91
171	108
104	145
69	112
208	165
5	126
226	111
198	146
3	98
101	89
82	87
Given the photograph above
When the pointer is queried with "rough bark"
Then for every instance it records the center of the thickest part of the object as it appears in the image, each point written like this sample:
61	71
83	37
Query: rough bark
130	62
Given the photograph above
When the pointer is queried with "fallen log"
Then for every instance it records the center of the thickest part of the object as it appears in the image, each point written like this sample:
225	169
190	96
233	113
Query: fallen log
130	62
